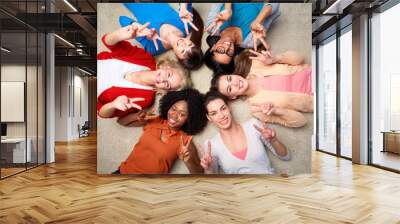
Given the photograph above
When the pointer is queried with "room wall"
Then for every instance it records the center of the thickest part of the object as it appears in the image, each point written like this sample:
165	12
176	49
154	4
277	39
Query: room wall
92	98
16	73
33	127
70	109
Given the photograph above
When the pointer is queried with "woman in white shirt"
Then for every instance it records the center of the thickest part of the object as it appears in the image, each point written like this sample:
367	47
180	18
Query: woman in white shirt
238	148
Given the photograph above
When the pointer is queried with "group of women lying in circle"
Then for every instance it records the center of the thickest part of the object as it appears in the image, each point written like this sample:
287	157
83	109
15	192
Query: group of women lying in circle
277	87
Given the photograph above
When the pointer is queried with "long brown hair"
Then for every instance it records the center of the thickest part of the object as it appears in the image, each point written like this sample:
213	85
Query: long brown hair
243	62
194	59
198	22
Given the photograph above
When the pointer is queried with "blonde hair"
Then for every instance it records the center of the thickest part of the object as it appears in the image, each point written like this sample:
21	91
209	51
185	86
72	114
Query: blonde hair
185	73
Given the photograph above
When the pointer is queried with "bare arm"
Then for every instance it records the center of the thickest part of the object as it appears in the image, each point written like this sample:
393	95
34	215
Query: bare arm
122	103
228	6
132	119
137	119
279	147
107	110
120	35
128	32
285	117
290	58
268	137
263	14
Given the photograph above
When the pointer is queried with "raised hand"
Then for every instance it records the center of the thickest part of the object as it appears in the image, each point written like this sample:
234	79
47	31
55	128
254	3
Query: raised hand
150	34
266	133
258	32
187	18
132	31
125	103
146	115
265	57
222	17
184	151
265	108
206	160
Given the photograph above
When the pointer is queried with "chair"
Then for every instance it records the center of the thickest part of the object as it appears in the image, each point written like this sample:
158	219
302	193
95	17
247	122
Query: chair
84	130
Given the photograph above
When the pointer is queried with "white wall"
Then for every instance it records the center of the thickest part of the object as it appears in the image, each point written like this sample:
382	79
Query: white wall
16	73
61	103
70	84
33	127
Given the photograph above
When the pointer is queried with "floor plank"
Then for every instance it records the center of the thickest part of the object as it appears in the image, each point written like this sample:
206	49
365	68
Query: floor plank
70	191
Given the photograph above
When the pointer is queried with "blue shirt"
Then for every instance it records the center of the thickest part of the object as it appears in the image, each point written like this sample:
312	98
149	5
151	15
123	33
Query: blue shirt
243	14
157	14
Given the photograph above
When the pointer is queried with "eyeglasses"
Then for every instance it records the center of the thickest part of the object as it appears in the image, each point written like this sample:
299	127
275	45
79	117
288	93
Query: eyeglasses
221	50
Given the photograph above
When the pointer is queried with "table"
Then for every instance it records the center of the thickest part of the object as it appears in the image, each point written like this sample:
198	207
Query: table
391	141
18	149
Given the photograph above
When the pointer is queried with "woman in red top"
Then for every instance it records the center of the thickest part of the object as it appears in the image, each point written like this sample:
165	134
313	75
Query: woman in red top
167	137
128	75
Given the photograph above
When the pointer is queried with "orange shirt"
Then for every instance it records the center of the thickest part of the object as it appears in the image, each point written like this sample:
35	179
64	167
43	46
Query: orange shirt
151	155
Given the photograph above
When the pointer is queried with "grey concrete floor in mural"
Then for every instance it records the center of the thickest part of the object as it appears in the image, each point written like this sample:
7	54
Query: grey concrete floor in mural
291	31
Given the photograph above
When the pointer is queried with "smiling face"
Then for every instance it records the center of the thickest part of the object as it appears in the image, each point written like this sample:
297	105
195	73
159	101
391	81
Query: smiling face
232	86
168	78
178	114
223	51
182	47
219	113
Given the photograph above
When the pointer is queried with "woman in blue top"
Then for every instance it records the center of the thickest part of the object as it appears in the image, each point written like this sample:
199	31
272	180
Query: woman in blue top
234	27
173	30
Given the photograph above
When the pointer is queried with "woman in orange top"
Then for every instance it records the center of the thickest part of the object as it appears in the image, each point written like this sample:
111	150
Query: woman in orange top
168	136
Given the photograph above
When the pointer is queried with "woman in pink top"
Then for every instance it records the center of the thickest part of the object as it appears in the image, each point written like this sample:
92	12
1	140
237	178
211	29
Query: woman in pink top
278	87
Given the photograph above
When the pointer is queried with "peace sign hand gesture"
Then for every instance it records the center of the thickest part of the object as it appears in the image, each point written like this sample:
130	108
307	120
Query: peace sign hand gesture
187	17
222	17
206	160
132	31
265	57
150	34
266	133
125	103
146	115
265	108
184	151
258	32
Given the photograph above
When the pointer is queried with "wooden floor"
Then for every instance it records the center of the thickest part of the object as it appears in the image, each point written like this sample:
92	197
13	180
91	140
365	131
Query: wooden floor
387	159
70	191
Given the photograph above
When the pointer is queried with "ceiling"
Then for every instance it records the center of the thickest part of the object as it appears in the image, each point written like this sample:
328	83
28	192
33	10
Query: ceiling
76	20
330	15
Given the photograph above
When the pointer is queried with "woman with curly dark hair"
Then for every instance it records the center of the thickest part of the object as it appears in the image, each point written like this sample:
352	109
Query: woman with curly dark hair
234	27
168	136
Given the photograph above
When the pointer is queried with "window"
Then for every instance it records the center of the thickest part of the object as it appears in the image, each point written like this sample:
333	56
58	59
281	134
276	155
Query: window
327	96
346	92
385	89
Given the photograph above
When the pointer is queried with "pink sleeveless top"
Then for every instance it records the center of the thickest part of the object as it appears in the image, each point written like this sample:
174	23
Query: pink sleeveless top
240	154
299	82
